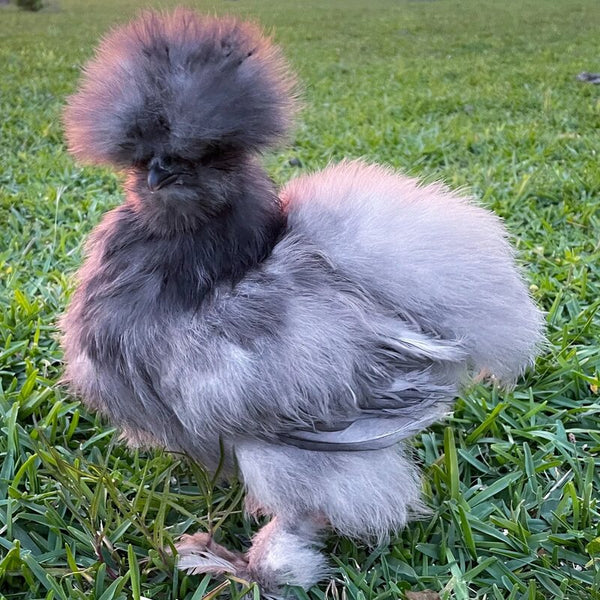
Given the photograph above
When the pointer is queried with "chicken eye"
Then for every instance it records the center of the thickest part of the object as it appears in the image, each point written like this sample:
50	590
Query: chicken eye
163	123
167	162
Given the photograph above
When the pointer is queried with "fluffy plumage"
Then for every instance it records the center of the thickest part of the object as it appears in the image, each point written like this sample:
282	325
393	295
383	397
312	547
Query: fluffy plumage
182	83
308	333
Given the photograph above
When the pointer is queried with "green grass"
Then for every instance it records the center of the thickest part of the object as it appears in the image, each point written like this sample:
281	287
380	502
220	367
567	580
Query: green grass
478	93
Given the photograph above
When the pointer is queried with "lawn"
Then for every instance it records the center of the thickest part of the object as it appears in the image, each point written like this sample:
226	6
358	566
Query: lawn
480	94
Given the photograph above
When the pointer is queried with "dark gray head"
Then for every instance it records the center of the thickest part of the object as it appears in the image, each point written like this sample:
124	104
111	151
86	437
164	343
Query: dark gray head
173	97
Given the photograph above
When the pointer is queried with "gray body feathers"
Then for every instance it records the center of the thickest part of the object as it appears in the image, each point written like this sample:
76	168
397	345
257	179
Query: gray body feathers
332	331
307	335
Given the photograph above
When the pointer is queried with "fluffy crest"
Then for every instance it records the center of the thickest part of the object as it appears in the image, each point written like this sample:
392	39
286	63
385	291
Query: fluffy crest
182	85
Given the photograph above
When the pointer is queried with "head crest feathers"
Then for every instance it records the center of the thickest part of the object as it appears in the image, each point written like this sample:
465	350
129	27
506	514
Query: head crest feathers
179	83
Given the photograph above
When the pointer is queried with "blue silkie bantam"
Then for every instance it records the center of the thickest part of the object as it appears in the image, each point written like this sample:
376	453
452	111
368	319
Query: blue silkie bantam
305	332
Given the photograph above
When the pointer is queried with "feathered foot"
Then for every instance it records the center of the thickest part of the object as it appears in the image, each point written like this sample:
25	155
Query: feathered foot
199	553
282	554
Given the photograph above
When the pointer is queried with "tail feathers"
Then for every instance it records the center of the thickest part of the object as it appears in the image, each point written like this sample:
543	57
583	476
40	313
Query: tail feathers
440	260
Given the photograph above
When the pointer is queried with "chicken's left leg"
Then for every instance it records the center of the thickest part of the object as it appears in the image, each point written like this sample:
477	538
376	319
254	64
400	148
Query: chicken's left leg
285	552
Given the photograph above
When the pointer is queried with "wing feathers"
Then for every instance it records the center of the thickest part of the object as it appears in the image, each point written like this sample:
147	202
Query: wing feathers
373	433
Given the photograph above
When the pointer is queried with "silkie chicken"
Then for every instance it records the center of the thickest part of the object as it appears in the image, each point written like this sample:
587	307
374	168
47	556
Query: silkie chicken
296	337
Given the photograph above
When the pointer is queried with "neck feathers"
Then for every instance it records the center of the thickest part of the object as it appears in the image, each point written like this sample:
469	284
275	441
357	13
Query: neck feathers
216	239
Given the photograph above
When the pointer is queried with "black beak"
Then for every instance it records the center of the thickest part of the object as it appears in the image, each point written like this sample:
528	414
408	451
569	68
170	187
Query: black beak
158	177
